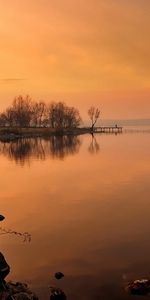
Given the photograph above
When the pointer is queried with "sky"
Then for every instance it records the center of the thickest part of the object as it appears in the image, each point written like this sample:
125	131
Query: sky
82	52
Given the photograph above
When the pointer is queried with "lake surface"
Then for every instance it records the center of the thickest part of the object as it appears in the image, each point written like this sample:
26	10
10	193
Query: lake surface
86	204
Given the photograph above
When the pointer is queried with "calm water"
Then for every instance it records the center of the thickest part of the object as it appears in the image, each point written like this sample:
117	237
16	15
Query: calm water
86	204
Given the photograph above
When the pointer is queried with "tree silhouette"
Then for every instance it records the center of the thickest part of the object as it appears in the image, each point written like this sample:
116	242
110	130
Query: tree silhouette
94	114
24	112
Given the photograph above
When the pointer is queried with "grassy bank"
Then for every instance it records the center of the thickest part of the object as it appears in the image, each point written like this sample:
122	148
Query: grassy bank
11	133
26	130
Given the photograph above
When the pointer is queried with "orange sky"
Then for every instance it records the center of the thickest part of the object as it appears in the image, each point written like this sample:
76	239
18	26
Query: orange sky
81	52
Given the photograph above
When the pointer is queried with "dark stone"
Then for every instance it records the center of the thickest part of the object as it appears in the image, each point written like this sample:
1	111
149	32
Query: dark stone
139	287
57	294
2	218
59	275
4	268
20	291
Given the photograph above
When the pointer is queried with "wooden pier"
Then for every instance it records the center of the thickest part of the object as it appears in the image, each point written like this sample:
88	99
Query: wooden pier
108	129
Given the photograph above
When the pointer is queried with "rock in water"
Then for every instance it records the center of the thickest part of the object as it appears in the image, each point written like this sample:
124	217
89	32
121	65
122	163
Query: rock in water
22	296
59	275
20	291
57	294
139	287
2	218
4	268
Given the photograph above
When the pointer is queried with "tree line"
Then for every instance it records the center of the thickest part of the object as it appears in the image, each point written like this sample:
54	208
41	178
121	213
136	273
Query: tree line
24	112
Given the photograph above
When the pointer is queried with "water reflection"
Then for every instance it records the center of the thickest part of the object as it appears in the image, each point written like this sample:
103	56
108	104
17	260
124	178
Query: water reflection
94	147
89	217
22	150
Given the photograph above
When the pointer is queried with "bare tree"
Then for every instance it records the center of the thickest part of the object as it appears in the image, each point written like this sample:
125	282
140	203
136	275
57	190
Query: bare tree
72	117
3	119
7	118
61	116
22	111
25	113
94	114
38	113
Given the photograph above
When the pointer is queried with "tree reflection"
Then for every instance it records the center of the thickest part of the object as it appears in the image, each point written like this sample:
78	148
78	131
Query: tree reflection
94	147
57	147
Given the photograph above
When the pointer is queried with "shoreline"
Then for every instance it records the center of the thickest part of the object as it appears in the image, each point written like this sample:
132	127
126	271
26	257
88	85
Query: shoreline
8	134
12	134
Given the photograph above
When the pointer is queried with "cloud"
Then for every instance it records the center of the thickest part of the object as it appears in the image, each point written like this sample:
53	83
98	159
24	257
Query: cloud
11	80
76	46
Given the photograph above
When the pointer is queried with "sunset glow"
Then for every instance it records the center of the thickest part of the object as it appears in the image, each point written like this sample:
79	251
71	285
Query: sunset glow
80	52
